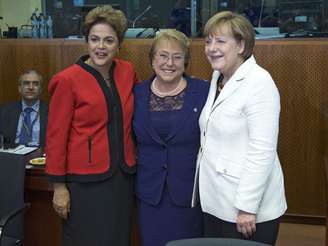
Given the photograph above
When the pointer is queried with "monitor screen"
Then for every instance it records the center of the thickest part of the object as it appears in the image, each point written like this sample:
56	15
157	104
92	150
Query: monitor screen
78	3
93	3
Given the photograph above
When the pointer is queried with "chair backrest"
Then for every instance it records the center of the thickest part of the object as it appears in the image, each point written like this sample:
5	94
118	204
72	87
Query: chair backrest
214	242
12	178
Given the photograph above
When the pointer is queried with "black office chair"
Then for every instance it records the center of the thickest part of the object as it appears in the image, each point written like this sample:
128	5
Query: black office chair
12	178
214	242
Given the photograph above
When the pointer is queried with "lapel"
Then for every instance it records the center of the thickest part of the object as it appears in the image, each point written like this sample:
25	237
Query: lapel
211	94
144	104
233	83
187	108
13	119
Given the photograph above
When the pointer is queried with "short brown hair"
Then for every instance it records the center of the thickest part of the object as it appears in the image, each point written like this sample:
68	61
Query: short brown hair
171	36
106	14
240	27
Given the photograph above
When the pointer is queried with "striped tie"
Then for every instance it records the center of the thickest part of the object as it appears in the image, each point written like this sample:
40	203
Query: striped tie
26	130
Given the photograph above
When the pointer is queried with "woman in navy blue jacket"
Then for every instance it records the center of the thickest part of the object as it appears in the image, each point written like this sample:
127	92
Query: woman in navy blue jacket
167	108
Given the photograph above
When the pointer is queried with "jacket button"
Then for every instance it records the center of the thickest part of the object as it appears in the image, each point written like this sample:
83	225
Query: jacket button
224	170
164	166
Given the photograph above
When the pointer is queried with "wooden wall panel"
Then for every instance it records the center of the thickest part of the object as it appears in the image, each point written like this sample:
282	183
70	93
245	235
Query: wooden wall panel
20	55
136	51
199	65
299	68
4	54
72	50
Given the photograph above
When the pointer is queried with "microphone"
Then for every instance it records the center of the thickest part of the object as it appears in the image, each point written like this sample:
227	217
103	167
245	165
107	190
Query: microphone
1	17
142	32
139	16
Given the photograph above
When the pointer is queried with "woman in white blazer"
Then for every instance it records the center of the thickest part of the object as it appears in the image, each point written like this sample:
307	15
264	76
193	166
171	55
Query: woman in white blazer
240	180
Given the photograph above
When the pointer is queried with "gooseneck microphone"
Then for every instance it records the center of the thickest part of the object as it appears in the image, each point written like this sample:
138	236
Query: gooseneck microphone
261	14
139	16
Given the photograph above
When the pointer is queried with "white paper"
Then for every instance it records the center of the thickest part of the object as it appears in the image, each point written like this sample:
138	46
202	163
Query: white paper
20	150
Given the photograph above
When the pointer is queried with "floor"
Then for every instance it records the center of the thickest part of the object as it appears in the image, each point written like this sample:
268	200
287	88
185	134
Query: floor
301	235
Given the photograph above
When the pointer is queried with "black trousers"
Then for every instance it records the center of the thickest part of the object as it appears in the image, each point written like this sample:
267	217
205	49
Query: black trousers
266	232
100	212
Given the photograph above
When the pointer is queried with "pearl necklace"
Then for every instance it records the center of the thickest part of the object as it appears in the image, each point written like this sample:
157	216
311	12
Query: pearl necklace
173	92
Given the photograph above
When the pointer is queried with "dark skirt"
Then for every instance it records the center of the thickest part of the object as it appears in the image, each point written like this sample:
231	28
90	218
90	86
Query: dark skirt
100	212
166	222
266	232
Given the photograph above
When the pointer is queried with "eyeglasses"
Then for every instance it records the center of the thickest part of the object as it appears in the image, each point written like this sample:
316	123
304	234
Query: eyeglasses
26	83
165	57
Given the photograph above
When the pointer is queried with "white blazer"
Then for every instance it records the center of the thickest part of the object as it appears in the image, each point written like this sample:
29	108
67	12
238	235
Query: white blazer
238	167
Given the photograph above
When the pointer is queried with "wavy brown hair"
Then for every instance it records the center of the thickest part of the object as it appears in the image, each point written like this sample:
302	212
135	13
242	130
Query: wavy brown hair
108	15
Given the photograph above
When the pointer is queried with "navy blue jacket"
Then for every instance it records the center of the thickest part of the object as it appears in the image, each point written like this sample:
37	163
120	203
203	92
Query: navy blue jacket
173	160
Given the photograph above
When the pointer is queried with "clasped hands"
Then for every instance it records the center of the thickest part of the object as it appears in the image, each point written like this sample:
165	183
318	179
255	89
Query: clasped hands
246	223
61	200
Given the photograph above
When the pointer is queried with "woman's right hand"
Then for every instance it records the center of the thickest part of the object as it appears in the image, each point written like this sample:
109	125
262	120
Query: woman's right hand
61	200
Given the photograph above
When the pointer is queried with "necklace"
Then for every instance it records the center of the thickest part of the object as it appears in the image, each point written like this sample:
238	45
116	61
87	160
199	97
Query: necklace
88	62
173	92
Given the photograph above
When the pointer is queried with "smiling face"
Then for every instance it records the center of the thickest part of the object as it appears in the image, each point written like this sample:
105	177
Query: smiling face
102	45
168	62
30	87
223	51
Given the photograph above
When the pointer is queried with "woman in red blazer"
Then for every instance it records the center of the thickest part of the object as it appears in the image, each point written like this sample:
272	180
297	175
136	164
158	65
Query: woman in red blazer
90	152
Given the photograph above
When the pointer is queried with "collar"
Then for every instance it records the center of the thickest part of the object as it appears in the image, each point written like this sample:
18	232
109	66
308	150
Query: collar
241	71
244	69
35	106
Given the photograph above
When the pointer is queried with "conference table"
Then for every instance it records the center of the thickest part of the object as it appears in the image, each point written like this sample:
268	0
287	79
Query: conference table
42	225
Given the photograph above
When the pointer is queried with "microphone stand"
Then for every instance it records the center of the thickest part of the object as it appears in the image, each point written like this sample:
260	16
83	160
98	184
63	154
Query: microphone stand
261	13
139	16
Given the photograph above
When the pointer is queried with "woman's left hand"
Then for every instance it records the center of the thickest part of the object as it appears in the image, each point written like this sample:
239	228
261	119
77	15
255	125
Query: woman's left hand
246	223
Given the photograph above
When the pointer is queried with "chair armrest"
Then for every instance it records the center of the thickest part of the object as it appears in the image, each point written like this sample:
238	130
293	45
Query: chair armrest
13	213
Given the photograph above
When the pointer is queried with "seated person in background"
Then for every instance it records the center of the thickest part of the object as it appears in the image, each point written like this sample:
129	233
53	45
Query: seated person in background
24	121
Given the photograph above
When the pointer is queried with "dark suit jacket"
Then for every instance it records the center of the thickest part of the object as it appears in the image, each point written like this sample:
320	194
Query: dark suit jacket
173	160
9	117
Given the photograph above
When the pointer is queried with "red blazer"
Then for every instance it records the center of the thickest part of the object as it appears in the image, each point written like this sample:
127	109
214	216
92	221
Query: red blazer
77	144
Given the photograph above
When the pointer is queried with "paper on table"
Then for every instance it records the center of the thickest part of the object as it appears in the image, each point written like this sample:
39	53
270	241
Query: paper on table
20	150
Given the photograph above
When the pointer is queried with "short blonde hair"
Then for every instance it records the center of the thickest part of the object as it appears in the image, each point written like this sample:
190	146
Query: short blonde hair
173	36
240	27
106	14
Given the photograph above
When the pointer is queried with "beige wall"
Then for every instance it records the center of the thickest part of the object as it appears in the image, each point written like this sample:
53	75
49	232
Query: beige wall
17	12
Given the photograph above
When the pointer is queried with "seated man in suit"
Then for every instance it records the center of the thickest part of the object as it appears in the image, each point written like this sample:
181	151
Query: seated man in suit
24	122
